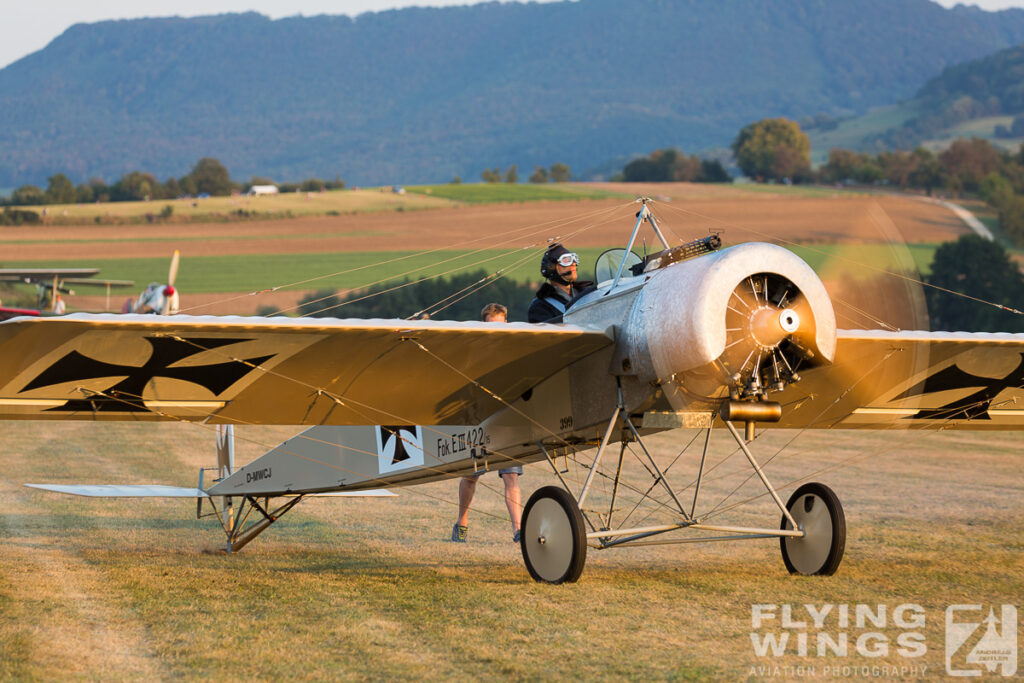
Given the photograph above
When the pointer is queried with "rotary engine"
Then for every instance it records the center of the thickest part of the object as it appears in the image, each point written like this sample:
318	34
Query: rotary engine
739	323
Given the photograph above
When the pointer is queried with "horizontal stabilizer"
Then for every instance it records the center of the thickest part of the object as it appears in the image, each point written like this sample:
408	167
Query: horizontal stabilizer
118	491
158	491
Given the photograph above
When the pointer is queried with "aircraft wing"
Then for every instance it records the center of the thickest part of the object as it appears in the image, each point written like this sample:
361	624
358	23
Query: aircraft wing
16	274
913	380
238	370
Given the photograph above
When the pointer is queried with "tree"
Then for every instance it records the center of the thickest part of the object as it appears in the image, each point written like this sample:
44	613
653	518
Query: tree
560	173
842	165
135	186
60	190
968	161
512	174
773	149
1011	217
100	191
995	189
897	167
84	194
321	304
712	171
672	165
384	300
927	173
172	189
491	175
210	177
313	185
979	268
539	175
28	195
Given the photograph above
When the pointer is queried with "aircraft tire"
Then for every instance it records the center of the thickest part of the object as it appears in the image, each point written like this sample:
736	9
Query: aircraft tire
553	538
817	510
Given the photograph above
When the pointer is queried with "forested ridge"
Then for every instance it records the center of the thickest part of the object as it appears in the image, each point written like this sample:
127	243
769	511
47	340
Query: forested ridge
425	94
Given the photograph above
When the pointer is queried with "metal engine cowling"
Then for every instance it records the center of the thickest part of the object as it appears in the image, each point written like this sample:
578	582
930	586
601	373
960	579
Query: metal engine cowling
740	321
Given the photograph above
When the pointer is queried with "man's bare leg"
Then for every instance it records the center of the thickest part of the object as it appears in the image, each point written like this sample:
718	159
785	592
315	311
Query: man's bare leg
467	487
513	499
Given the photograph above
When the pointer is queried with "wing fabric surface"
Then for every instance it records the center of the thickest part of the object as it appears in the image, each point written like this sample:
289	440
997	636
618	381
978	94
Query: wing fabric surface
913	380
237	370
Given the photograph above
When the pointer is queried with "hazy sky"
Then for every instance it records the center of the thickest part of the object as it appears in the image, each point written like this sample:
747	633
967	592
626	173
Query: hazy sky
29	25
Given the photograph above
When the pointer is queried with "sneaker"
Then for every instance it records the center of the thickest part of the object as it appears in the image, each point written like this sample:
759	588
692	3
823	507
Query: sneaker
459	533
516	536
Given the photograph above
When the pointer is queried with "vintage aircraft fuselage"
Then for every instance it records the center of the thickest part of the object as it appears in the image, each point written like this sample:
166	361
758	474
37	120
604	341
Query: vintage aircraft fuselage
736	323
732	324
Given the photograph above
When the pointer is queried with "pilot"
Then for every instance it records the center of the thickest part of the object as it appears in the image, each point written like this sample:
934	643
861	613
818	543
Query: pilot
491	313
559	268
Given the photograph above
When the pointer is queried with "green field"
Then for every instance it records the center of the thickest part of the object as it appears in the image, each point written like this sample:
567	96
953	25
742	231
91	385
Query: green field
350	270
344	270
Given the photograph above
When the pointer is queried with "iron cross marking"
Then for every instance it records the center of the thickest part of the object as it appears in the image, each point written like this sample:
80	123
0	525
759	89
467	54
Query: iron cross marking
392	432
126	395
972	407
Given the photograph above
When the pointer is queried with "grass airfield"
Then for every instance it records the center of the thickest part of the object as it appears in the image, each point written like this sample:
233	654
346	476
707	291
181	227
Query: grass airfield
371	589
101	589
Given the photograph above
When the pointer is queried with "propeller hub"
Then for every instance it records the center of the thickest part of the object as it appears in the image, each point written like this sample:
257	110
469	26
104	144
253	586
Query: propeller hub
789	320
770	325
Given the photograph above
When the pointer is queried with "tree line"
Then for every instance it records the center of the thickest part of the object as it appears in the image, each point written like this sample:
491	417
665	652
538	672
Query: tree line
557	173
459	297
208	177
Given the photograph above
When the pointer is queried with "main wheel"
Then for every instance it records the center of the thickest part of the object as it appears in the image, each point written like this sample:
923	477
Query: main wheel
553	540
817	511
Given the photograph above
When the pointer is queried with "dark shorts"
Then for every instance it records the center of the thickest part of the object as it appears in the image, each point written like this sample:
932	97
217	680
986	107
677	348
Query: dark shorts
518	469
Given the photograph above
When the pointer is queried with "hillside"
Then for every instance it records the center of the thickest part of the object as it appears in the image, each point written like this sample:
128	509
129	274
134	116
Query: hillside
425	94
969	99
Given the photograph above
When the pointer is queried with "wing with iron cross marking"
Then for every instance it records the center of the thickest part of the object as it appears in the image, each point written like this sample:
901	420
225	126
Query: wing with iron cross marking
276	370
913	380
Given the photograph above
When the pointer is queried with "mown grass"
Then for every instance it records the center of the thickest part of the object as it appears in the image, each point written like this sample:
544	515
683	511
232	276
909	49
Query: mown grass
346	270
342	270
489	193
359	589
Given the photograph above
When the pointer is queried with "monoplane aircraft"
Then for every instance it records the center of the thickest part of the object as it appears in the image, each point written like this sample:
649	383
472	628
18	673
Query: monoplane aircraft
694	336
161	299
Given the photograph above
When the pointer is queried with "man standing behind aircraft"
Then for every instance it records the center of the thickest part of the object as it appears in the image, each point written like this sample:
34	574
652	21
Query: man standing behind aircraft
492	313
559	268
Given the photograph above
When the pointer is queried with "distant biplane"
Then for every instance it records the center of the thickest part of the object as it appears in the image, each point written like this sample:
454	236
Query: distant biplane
51	282
693	336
